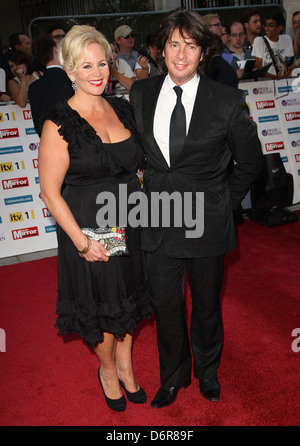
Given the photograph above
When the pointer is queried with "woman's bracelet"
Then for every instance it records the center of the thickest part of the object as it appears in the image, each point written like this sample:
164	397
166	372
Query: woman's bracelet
87	248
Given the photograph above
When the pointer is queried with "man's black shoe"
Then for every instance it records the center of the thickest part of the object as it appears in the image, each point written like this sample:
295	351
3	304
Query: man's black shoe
210	389
165	397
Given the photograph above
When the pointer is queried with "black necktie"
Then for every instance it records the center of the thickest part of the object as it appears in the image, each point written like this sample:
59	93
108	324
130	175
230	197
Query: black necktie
177	127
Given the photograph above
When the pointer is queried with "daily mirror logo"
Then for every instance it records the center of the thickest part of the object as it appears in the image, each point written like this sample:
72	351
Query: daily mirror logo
12	183
25	233
274	146
261	105
292	116
9	133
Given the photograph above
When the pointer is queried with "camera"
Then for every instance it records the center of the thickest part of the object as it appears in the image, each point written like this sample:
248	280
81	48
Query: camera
144	51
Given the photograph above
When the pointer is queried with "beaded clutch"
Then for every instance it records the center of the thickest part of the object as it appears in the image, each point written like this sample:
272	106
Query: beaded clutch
114	239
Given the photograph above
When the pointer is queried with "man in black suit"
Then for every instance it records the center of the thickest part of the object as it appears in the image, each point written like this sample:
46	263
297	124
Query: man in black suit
54	86
217	126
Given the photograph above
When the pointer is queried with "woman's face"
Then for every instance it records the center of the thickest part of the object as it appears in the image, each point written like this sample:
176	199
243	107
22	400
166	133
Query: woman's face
14	67
92	73
114	52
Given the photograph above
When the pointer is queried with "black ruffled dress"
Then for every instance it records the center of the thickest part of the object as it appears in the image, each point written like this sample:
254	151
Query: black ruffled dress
99	297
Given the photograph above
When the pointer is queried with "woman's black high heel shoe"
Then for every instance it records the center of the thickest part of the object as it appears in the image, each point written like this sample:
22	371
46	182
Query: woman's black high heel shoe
119	404
135	397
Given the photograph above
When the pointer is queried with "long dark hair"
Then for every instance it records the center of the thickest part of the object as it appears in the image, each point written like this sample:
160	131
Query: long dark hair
189	23
18	57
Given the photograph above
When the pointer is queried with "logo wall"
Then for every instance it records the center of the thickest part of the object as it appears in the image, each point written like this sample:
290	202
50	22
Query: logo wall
24	219
278	122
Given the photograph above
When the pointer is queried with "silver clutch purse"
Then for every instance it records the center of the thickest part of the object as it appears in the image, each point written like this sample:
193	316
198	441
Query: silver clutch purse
114	239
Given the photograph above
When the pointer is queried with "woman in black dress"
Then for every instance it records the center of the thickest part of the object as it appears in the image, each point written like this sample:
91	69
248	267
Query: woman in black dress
89	145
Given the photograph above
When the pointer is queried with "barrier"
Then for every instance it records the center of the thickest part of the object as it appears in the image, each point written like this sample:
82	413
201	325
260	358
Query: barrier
27	226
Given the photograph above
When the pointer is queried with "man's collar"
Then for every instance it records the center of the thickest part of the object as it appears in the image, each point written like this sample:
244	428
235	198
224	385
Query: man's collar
189	87
54	66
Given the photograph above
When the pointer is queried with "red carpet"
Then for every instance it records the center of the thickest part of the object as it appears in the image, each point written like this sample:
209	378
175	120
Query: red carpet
48	381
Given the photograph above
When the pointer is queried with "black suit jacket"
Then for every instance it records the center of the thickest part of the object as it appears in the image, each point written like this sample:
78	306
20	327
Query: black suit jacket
54	86
220	128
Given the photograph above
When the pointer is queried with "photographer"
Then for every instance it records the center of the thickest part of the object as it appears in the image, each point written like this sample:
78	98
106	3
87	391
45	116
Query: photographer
149	66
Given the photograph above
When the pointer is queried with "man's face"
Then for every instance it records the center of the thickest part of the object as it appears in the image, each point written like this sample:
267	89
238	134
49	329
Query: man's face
126	42
237	36
272	30
216	26
182	56
254	25
25	45
57	35
296	22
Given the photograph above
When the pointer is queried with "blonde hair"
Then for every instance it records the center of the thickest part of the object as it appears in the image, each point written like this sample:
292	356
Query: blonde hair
208	18
76	41
296	44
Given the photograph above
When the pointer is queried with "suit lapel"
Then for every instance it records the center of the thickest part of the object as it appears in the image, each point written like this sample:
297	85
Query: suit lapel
148	110
198	125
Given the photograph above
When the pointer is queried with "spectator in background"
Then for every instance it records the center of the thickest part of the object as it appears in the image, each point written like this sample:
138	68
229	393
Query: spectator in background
151	68
111	82
236	47
296	20
123	70
3	96
57	32
225	35
281	45
220	70
213	22
252	24
53	87
20	42
297	49
125	40
22	75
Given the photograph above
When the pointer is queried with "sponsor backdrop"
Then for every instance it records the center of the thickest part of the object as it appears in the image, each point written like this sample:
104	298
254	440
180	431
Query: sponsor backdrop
26	225
275	107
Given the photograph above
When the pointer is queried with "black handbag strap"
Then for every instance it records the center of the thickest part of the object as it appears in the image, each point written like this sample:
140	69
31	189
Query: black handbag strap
271	54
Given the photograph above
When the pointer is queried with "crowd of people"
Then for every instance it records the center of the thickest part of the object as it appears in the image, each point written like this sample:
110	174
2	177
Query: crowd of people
236	42
183	131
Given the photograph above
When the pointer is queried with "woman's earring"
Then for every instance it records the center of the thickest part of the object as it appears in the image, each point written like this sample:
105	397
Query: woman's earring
74	86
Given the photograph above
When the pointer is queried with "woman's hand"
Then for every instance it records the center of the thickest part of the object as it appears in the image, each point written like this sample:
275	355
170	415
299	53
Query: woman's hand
96	253
20	73
4	97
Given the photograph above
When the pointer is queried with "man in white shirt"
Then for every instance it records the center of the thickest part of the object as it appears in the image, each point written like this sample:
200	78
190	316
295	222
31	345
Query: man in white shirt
281	46
214	125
